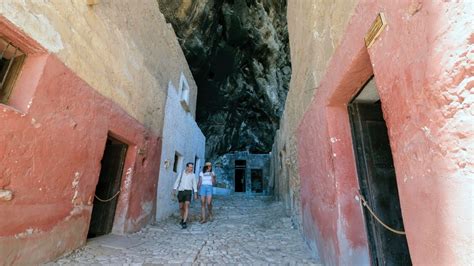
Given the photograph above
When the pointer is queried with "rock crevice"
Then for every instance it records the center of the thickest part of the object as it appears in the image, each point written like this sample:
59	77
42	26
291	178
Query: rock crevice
238	53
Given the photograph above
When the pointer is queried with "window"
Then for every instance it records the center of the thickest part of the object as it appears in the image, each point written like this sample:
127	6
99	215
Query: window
281	160
178	161
197	165
11	60
184	92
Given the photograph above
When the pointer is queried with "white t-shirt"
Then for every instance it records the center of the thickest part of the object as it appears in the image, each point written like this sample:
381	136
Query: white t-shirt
206	178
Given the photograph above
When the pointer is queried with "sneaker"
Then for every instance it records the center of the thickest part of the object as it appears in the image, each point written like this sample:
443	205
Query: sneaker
184	225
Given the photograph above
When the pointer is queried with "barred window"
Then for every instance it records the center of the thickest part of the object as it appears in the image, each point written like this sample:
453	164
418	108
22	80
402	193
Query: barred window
11	60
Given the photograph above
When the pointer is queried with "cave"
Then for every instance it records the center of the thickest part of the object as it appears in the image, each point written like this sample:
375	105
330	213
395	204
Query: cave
238	53
85	84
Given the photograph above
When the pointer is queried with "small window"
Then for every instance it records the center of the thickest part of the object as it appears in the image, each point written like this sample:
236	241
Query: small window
280	157
178	161
184	92
11	60
197	165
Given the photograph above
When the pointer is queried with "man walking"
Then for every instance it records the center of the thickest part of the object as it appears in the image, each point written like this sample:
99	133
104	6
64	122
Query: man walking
185	184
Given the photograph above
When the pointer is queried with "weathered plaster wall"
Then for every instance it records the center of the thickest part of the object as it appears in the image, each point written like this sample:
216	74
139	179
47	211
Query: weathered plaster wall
427	83
123	49
180	134
422	64
50	156
315	30
89	71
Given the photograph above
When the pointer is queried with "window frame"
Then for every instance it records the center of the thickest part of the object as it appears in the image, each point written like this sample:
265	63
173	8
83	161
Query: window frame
184	92
14	59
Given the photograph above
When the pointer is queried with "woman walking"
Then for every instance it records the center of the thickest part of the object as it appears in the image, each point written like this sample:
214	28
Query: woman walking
207	179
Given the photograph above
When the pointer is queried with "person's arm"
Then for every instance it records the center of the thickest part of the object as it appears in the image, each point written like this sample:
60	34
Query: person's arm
195	187
214	179
199	182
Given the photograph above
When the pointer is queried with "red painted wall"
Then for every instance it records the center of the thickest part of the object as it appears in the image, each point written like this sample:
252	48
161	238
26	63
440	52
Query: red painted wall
423	69
52	138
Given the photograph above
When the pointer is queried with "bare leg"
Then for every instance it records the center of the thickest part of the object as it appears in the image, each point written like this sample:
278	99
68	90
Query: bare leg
209	206
186	208
203	209
181	209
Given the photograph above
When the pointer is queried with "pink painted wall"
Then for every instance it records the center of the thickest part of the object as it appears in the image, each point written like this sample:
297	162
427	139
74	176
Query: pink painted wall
52	139
423	69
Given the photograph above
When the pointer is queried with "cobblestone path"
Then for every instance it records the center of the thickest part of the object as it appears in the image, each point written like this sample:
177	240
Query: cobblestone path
245	230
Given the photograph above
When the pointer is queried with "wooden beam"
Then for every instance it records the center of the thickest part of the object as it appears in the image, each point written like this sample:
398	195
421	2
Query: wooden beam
377	27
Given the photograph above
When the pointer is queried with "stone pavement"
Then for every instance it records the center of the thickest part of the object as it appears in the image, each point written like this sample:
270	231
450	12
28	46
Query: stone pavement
246	230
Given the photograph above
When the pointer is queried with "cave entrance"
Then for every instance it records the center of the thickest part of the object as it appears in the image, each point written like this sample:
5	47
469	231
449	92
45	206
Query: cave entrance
256	177
108	188
240	167
377	181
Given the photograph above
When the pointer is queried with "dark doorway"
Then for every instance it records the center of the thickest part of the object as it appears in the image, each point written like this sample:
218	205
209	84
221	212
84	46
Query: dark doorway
256	176
240	166
108	188
377	182
197	165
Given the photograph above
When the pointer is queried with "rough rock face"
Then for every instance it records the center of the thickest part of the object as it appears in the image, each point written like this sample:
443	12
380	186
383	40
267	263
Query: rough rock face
238	53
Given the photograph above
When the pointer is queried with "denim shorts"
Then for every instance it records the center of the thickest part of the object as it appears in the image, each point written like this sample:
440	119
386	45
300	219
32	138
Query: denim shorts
205	190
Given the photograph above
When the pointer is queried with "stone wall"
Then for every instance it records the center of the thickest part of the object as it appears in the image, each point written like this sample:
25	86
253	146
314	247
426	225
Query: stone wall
315	30
123	49
224	167
180	134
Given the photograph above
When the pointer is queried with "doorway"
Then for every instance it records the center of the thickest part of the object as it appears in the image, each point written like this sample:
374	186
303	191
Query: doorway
377	180
240	166
108	188
256	177
197	165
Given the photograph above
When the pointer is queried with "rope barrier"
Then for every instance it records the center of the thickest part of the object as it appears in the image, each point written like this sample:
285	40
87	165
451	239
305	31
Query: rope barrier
364	204
107	200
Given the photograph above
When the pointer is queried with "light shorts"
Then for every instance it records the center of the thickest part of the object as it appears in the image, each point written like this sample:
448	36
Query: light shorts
205	190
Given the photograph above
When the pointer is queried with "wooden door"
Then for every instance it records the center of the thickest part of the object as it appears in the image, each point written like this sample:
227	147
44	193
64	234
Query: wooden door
108	185
378	184
240	180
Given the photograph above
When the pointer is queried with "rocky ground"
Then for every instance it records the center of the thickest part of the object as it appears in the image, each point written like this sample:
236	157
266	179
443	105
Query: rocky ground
245	230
